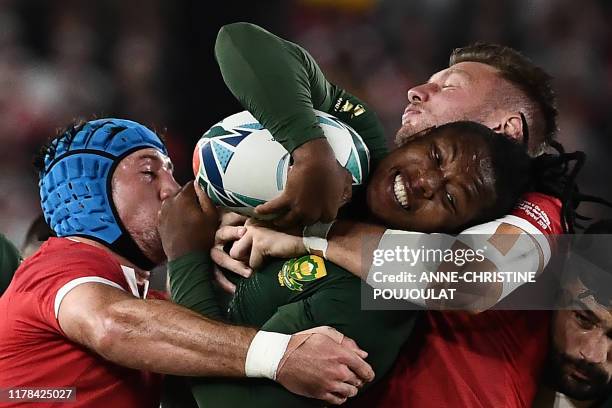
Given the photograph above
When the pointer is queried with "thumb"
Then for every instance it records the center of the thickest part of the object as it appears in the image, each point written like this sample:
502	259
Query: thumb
276	205
256	258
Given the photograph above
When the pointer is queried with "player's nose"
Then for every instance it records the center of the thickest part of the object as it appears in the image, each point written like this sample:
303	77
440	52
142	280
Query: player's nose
427	183
594	349
420	93
169	188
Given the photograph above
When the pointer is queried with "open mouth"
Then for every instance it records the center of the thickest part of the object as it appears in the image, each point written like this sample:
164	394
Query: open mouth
399	191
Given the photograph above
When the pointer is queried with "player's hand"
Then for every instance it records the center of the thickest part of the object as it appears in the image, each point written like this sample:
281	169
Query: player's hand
259	242
187	222
316	187
230	229
322	363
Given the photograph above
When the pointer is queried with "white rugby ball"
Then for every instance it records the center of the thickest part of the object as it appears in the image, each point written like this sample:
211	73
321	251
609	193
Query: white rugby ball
239	164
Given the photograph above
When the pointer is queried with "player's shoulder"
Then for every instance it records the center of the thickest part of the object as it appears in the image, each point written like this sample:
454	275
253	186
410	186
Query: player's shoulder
538	198
537	212
71	251
62	257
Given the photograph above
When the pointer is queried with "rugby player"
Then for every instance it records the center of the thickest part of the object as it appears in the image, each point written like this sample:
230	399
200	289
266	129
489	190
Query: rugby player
280	83
78	312
491	84
579	373
292	296
240	37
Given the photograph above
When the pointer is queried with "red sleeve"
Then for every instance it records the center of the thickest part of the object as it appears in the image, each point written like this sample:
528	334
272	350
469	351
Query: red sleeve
158	295
62	268
540	210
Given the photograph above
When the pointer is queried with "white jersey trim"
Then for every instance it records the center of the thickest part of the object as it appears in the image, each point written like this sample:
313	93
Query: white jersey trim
63	291
533	231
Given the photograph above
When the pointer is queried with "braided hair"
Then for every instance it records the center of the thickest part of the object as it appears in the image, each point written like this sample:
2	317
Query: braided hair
553	174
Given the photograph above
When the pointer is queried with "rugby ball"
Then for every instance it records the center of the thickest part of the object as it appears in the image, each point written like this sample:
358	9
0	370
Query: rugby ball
239	165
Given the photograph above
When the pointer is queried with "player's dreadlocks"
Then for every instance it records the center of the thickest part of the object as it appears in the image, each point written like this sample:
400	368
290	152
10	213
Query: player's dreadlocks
556	177
552	174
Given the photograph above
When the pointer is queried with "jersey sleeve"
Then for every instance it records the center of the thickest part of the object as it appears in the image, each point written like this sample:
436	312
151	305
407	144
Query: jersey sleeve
65	270
280	83
191	284
541	211
539	215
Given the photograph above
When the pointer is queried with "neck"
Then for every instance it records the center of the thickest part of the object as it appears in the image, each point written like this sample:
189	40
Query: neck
141	275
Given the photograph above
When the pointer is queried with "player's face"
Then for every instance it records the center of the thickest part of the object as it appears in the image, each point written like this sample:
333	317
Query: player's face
141	182
432	183
457	93
582	347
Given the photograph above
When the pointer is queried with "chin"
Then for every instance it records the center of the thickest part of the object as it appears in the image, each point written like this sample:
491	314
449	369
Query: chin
149	242
404	134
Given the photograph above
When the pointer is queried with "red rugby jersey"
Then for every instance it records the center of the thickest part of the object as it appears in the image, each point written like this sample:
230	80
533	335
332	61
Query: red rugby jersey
490	360
34	351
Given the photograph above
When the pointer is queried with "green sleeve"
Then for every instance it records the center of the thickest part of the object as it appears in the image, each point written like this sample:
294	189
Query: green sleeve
9	261
333	299
280	83
191	284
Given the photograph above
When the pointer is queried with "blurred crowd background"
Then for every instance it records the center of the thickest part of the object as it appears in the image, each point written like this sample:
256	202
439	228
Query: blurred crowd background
152	61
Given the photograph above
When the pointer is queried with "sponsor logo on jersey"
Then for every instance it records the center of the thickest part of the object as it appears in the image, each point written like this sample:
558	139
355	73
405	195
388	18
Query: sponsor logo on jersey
305	269
534	214
345	106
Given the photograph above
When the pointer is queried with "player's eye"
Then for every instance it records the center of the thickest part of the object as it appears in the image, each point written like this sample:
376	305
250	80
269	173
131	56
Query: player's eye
148	174
584	321
435	155
451	200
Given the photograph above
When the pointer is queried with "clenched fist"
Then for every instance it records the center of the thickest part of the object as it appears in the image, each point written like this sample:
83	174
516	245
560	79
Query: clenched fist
187	222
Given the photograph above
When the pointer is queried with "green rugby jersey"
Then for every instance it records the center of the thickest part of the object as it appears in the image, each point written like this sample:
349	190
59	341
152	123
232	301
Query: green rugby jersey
287	296
280	83
9	261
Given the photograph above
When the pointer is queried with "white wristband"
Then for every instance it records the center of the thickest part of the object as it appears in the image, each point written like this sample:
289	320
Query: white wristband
314	238
265	353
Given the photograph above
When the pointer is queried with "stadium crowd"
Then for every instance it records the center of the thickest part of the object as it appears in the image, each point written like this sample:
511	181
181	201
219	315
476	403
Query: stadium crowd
376	51
152	61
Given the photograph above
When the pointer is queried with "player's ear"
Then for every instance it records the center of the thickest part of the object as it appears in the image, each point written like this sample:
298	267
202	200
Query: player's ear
510	125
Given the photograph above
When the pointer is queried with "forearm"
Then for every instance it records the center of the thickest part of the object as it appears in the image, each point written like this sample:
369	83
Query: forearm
504	248
351	245
280	84
265	73
191	280
166	338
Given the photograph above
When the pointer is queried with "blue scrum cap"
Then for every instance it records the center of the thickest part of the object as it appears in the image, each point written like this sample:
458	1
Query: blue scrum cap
75	185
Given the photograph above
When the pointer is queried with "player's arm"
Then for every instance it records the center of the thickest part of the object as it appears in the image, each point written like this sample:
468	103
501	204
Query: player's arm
152	335
190	279
351	245
280	84
508	247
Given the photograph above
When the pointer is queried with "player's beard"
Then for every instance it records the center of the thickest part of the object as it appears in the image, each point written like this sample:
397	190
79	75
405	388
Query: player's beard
597	386
427	120
148	240
405	133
